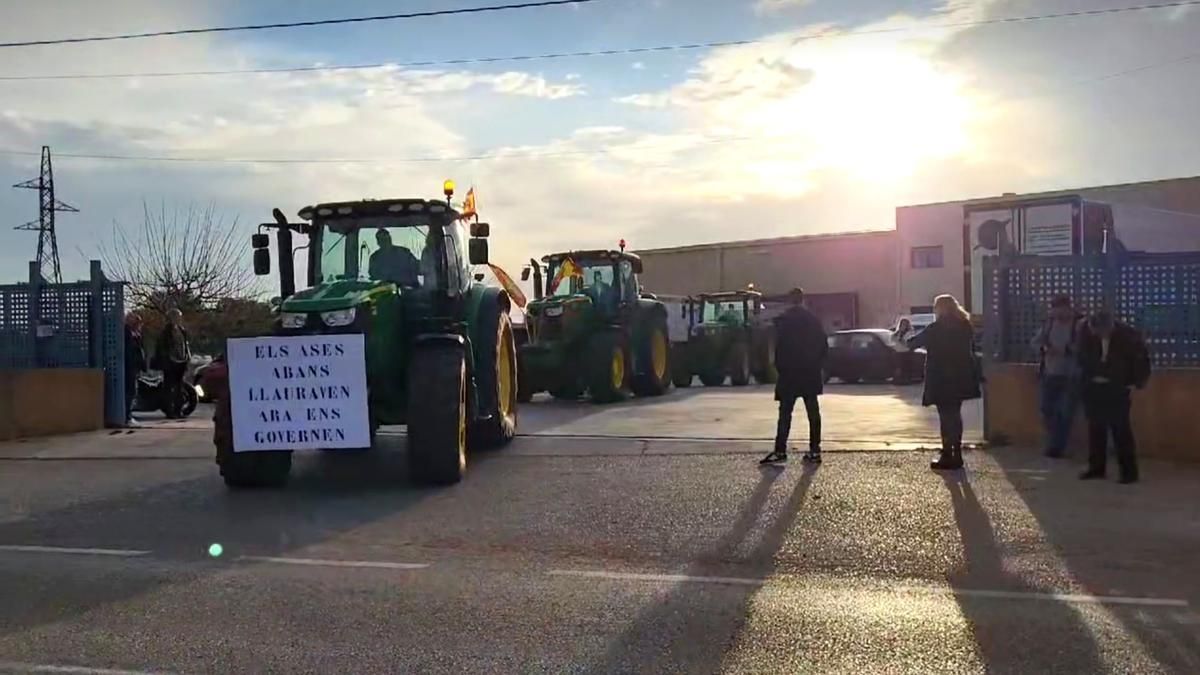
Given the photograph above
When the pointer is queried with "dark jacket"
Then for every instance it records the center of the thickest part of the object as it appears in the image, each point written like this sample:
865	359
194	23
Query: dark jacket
951	374
162	349
800	349
135	352
1128	362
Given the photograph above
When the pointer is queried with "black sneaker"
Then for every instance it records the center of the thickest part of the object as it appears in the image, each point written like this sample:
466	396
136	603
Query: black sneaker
1126	480
774	457
812	457
1091	475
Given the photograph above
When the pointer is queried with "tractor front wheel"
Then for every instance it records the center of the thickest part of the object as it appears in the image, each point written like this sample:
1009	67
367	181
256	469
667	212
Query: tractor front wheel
497	372
260	469
437	415
739	364
608	372
654	361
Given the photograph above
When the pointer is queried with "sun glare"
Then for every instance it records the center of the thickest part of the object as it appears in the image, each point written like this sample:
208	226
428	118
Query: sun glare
875	115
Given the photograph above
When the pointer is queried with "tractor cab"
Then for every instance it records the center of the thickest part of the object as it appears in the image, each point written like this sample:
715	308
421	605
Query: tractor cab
734	309
607	278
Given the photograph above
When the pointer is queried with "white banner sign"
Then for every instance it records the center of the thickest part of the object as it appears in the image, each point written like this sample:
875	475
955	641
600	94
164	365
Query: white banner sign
298	392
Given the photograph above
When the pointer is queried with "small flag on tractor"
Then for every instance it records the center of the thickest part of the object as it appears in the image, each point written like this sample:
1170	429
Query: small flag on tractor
468	208
567	270
514	291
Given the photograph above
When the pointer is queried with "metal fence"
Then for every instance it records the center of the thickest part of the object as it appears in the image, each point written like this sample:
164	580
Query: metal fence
70	325
1157	293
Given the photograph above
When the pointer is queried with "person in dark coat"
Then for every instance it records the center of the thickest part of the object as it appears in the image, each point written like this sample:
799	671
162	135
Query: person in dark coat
1113	360
173	352
951	374
800	349
135	363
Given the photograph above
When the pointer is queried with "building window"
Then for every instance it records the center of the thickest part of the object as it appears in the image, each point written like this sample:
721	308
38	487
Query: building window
926	257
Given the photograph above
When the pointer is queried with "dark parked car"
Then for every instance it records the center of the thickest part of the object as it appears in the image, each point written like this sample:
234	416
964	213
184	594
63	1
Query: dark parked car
872	355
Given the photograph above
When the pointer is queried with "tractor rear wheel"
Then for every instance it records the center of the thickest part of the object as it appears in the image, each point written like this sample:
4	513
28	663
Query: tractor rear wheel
608	371
497	375
739	364
654	361
260	469
765	372
437	415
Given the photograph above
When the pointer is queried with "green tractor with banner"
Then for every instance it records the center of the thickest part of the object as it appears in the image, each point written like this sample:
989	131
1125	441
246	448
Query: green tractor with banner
728	340
392	328
593	330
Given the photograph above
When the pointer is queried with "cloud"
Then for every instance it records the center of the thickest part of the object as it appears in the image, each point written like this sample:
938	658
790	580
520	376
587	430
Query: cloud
776	6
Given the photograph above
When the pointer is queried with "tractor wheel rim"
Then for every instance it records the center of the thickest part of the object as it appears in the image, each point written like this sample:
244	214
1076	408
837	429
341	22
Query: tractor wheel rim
504	376
658	354
617	369
462	420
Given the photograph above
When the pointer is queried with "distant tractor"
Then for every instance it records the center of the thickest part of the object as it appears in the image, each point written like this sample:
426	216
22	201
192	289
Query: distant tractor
592	330
393	328
729	340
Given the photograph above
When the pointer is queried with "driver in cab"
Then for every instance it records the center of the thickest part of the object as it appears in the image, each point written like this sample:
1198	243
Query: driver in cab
603	292
393	263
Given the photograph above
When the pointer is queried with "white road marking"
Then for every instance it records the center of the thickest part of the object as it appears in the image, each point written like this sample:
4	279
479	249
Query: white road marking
17	666
376	564
117	552
672	578
960	592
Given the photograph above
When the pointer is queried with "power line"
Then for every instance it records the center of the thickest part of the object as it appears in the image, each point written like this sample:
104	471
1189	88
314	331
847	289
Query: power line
296	24
601	52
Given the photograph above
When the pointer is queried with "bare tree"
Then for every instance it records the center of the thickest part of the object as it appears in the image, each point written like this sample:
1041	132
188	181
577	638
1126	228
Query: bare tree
186	258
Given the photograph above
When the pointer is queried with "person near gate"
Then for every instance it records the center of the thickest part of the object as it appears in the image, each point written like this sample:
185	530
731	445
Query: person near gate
800	349
951	374
1113	360
135	363
1055	343
173	352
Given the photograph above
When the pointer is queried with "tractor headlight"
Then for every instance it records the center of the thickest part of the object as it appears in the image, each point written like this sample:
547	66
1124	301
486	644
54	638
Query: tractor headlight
293	319
338	317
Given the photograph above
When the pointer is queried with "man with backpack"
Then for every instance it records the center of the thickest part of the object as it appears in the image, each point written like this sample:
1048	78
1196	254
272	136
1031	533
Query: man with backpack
1113	360
1058	373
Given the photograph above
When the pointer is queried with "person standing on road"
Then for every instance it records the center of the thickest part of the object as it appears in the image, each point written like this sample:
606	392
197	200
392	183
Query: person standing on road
173	352
900	336
1113	360
800	349
135	363
951	376
1055	343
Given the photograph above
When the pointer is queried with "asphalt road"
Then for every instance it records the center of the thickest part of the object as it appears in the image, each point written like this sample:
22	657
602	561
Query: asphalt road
586	547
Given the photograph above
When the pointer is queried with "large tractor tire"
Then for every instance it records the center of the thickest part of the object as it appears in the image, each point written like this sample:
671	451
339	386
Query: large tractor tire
524	385
765	371
739	364
682	377
496	374
712	378
262	469
607	367
654	361
437	414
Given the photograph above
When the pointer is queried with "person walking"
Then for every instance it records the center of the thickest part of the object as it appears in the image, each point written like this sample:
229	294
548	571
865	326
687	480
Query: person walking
1113	360
173	352
951	374
135	363
1055	343
800	349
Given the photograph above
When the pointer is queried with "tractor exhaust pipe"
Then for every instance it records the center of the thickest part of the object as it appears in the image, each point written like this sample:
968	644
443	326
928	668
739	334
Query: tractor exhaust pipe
287	265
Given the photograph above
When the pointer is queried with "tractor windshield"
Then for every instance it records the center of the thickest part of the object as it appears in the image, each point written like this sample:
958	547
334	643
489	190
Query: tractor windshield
723	311
382	249
592	278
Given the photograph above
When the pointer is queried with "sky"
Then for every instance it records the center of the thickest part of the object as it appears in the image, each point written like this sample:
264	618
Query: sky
830	115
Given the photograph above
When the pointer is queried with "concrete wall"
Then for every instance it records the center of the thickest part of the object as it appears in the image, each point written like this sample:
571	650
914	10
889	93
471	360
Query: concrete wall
1164	413
50	401
860	263
930	225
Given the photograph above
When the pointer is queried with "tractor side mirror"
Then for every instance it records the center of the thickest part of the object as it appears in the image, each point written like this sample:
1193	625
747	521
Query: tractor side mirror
262	261
480	229
260	240
525	274
477	251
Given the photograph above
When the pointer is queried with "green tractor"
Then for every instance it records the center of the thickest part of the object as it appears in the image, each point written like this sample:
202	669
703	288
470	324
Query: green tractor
728	339
429	345
593	330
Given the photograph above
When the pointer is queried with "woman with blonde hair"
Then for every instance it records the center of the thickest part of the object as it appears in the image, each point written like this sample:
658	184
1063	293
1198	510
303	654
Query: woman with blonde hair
950	374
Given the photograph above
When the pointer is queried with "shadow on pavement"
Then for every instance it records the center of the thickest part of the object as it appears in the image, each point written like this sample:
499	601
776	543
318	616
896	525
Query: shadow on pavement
326	497
1102	540
690	627
1007	641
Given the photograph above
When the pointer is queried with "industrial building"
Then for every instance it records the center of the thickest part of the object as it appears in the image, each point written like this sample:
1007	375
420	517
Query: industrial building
867	279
